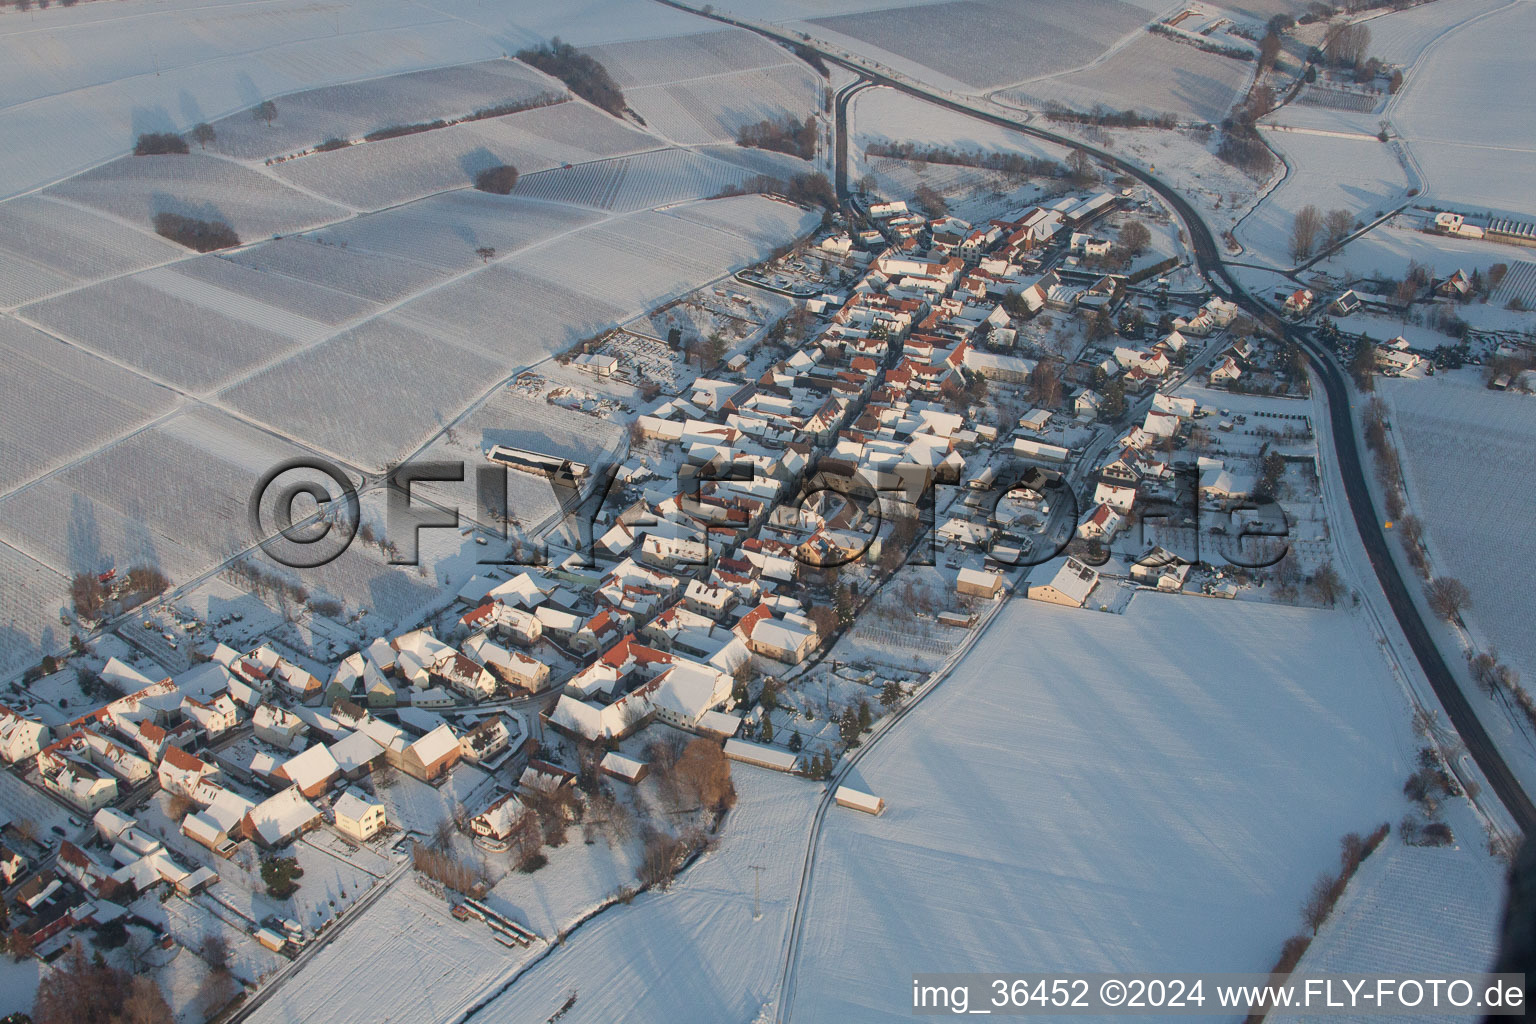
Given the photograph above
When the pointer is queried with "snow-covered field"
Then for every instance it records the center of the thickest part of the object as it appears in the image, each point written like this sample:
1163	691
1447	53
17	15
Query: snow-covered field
989	44
350	111
1151	75
445	231
885	115
1147	791
1387	250
57	402
1329	172
637	182
75	95
493	321
169	336
1476	146
692	953
136	188
1466	458
379	174
703	88
173	496
1414	910
47	245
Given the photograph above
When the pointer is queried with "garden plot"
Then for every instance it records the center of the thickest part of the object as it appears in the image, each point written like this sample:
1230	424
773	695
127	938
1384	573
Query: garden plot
417	808
353	110
633	182
46	245
445	231
136	188
408	961
989	43
1073	797
1358	175
1466	458
167	336
174	497
366	275
1519	284
1488	159
380	174
368	395
1152	75
57	402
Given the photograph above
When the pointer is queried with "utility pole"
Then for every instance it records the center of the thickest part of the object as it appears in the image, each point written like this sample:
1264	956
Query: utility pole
757	886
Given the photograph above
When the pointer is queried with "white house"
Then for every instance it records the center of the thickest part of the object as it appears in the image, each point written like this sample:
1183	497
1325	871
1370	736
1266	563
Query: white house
358	817
20	738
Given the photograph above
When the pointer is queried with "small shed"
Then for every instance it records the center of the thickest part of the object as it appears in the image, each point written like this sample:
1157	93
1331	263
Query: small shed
859	800
626	769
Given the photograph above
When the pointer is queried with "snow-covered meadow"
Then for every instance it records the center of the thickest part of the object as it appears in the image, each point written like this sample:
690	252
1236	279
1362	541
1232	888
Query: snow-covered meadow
1151	75
1149	791
703	88
379	174
986	45
1357	174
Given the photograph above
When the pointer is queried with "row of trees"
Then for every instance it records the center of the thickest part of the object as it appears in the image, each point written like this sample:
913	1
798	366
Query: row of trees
199	234
1312	230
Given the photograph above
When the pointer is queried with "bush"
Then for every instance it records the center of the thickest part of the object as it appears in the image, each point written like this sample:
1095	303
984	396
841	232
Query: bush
499	180
159	143
279	873
200	235
332	143
586	77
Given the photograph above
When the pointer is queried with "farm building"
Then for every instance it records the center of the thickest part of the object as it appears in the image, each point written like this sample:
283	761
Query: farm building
626	769
847	796
978	583
431	756
280	819
760	755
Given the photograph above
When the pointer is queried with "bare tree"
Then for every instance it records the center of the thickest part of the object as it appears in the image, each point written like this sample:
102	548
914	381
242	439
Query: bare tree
1134	237
265	111
1304	231
1326	585
486	253
1447	596
1319	902
1346	45
1337	225
202	134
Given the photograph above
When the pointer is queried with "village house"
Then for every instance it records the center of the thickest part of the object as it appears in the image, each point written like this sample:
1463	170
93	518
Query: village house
1070	586
280	819
358	816
20	738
